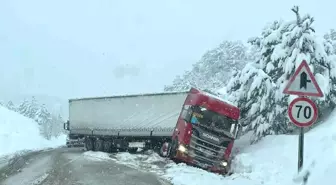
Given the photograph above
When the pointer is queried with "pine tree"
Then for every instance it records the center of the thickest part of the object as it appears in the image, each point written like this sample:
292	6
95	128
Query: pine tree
44	118
330	37
10	105
258	88
57	125
24	108
50	125
60	122
29	108
252	89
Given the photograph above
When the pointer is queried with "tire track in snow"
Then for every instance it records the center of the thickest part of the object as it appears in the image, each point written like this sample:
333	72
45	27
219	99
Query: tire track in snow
13	164
40	180
27	169
72	167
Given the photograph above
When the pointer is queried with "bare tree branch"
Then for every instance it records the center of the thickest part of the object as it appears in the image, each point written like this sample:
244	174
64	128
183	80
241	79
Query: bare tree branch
295	9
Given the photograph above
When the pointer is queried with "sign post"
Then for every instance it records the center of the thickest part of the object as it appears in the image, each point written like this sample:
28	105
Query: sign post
302	111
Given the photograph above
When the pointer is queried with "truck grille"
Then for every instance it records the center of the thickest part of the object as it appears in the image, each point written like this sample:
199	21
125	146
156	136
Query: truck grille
205	151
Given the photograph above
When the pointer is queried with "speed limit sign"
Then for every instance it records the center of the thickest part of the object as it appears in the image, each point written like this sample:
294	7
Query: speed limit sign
302	112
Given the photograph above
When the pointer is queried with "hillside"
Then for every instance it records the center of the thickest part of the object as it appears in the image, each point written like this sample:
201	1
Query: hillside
18	133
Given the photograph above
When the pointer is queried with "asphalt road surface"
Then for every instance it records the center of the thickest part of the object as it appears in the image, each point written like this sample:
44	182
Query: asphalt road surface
68	166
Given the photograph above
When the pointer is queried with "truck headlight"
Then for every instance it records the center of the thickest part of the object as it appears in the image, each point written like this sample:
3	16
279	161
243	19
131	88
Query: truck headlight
182	148
224	163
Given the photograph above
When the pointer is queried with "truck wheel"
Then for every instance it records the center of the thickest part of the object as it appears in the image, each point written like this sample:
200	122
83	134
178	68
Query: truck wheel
98	145
132	150
107	146
89	144
122	149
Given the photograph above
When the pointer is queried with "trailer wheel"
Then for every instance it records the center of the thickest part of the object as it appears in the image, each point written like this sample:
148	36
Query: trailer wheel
132	150
122	149
107	146
88	144
98	145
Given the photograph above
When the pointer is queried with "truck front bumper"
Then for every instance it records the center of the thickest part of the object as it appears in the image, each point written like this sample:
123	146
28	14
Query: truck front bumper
186	155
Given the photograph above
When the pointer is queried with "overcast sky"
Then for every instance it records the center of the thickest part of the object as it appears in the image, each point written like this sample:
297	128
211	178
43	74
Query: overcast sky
75	48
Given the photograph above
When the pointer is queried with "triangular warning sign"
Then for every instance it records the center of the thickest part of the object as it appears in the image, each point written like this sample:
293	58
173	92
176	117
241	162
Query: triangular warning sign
303	82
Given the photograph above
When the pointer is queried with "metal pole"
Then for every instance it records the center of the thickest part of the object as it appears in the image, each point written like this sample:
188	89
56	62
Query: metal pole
301	144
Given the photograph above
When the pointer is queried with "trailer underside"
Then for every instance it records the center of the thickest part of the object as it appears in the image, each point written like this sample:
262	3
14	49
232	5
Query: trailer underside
111	144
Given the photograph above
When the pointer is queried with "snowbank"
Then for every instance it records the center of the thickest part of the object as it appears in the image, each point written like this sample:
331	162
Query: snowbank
150	162
272	161
18	132
320	154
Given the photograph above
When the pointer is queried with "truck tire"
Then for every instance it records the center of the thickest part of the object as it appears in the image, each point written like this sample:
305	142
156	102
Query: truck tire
107	146
88	144
122	149
132	150
98	145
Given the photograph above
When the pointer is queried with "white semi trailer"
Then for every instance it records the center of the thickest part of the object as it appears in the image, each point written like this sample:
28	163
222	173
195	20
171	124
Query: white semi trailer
195	126
113	123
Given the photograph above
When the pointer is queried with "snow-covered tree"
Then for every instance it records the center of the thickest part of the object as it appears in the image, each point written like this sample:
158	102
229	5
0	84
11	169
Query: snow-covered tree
57	125
44	118
29	108
214	68
51	125
10	105
330	37
258	87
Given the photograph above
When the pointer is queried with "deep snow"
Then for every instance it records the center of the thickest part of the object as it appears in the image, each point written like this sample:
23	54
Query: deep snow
272	161
19	133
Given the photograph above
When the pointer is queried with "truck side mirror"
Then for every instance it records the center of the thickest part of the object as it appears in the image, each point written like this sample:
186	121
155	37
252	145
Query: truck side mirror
186	113
66	125
238	132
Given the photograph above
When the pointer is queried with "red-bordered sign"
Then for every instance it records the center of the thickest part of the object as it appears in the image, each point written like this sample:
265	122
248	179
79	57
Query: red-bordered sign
303	82
302	112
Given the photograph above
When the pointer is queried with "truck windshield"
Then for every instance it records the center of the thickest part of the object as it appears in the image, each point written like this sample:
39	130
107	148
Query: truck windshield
210	119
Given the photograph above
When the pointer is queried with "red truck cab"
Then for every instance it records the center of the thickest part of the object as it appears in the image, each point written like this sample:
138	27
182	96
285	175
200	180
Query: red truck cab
205	132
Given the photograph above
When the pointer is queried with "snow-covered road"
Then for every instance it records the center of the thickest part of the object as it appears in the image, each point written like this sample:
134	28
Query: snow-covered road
72	167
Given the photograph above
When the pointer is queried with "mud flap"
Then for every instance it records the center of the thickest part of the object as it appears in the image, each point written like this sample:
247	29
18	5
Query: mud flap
164	149
173	149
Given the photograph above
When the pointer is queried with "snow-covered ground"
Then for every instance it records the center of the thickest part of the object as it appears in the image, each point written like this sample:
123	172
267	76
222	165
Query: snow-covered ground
19	133
150	162
272	161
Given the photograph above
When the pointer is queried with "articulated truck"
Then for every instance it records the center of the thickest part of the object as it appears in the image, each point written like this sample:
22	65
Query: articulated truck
194	127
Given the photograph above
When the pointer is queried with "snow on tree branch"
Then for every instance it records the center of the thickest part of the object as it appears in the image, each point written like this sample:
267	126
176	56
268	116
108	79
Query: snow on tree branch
50	125
295	9
214	68
258	88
